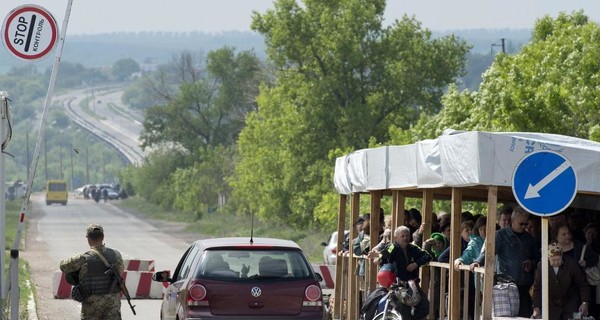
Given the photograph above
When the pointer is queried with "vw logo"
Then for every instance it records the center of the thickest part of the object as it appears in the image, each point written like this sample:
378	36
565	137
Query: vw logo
255	292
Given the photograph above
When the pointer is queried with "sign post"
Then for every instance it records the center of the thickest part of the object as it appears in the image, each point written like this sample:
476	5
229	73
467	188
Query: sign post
544	183
30	32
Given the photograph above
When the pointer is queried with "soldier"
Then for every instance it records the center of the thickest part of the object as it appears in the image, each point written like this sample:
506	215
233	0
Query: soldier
101	300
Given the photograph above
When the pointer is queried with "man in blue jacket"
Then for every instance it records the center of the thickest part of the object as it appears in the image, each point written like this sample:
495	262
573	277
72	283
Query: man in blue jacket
516	257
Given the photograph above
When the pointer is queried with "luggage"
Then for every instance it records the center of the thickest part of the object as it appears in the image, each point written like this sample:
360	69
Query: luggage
505	300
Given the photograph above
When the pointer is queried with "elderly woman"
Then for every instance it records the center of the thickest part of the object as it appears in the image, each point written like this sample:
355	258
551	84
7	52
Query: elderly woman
572	247
568	289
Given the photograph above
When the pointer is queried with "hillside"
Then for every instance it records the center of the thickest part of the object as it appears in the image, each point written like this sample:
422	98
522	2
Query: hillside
159	47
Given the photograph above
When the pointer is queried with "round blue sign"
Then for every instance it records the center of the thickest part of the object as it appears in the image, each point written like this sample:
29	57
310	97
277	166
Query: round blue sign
544	183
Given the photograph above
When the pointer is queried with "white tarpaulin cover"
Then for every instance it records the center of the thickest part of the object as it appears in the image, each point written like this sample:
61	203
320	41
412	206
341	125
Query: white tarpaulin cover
460	159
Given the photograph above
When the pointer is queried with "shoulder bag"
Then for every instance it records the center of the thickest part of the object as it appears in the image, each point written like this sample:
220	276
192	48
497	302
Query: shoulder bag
591	273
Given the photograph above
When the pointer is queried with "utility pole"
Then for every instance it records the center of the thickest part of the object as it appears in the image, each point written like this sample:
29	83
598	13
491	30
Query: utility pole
46	157
27	138
72	177
60	156
87	167
501	44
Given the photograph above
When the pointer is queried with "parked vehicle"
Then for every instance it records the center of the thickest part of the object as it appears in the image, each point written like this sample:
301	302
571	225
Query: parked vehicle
112	194
242	278
56	192
330	250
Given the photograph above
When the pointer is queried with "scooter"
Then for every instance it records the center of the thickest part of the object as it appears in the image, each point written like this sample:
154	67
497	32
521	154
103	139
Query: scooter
387	307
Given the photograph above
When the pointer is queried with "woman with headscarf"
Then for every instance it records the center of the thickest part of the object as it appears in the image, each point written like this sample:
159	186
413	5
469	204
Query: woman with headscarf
568	289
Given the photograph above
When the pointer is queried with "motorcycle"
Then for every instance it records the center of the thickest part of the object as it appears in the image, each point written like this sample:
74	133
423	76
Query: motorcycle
383	303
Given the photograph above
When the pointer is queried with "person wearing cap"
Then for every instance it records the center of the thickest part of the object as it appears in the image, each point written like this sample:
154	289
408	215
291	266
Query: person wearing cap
568	289
101	294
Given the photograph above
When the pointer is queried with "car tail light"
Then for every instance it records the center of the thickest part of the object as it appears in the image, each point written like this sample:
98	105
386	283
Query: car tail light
312	296
334	250
196	295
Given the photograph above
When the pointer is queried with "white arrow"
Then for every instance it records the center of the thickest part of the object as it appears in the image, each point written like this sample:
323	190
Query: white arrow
533	191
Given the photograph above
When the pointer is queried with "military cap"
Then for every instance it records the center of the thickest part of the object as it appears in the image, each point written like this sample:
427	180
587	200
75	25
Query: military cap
95	229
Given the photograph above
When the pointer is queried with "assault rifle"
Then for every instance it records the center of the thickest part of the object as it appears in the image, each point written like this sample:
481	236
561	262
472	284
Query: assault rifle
119	282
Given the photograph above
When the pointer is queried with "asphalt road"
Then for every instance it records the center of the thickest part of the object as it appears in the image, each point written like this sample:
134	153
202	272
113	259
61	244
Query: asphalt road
57	232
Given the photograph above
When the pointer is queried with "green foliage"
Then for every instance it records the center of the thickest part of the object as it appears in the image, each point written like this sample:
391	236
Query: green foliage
198	188
550	86
60	119
342	81
209	110
122	69
138	96
151	180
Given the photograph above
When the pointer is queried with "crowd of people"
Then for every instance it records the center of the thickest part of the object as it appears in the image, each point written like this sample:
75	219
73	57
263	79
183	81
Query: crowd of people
574	246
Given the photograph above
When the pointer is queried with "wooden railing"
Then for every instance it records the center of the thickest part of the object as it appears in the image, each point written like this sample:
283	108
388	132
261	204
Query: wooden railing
348	291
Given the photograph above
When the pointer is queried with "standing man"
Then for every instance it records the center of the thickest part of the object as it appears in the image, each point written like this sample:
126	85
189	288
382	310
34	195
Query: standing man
100	290
516	256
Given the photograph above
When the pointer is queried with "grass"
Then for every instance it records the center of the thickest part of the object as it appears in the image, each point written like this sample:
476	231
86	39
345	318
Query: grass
226	225
13	210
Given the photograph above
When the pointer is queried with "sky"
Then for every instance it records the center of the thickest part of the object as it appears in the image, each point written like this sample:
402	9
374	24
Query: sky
107	16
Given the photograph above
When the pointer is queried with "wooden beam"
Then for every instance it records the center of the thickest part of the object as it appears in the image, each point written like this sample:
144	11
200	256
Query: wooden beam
370	268
455	246
352	303
490	252
427	216
339	272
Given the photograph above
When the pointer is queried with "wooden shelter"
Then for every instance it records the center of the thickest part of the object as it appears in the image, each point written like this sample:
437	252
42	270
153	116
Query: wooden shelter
457	166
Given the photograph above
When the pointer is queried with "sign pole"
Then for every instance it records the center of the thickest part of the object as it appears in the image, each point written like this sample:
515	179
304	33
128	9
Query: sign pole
545	293
3	117
29	46
42	132
544	183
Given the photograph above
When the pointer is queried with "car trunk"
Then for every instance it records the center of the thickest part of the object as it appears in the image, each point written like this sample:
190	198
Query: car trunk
277	297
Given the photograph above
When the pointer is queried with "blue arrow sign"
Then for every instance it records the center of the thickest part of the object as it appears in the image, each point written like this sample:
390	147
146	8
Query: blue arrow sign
544	183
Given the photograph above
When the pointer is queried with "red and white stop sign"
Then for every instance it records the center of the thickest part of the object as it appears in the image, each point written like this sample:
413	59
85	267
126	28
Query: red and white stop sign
30	32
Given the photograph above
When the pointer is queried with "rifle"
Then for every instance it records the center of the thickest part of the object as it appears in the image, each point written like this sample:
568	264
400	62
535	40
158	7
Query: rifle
121	285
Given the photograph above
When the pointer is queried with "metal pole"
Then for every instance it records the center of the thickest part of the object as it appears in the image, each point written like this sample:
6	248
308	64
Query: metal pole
3	117
72	176
545	265
15	291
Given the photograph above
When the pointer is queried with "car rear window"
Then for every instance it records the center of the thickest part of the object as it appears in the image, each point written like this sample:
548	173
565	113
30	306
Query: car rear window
239	264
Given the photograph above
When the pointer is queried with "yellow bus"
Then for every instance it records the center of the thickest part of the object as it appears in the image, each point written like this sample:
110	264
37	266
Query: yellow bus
56	192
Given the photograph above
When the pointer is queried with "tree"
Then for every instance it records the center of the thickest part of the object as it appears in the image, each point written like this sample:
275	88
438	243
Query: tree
210	108
342	79
550	86
123	68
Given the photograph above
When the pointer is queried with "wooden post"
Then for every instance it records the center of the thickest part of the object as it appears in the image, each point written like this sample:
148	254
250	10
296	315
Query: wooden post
398	211
370	268
427	216
454	287
339	273
352	303
490	253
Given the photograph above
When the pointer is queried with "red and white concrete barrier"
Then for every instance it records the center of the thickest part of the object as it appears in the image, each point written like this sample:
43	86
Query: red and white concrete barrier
138	265
139	284
328	273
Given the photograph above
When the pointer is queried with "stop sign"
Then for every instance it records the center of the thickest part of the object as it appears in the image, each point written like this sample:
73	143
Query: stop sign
30	32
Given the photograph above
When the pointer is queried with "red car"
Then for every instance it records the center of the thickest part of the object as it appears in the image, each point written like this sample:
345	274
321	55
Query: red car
240	278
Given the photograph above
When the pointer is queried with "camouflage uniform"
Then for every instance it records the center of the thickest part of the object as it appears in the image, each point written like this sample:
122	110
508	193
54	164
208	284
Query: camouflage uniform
104	303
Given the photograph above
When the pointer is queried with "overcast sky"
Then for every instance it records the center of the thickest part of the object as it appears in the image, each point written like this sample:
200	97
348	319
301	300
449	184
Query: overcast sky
102	16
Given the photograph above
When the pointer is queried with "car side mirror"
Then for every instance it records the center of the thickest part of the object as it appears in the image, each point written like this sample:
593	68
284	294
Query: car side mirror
162	276
324	244
319	277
